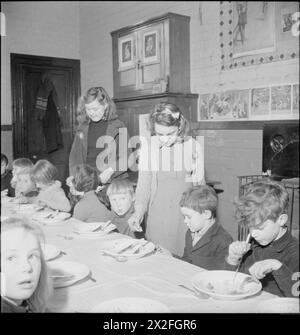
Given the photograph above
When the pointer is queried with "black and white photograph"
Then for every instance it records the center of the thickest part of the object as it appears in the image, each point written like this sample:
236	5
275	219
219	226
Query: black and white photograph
149	164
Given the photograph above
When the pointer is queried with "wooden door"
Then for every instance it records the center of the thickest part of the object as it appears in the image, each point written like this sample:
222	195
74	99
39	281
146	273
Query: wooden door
28	136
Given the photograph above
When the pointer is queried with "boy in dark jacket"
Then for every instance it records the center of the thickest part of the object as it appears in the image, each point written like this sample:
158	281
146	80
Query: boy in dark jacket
273	254
206	241
6	177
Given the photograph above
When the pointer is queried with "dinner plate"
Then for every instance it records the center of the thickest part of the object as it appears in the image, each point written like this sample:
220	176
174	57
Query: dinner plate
224	286
127	248
56	220
50	251
131	305
84	230
67	273
279	305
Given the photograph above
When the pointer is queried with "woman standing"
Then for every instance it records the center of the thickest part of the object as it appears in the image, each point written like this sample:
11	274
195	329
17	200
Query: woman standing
169	164
99	126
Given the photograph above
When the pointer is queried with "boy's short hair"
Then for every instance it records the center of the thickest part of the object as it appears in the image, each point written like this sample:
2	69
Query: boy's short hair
4	159
264	200
22	163
120	186
85	178
200	198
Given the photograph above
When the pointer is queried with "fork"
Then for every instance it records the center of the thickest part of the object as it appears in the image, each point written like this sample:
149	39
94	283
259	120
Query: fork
196	293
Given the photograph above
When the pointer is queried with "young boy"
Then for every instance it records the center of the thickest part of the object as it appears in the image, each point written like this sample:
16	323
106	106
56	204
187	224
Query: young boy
273	255
121	197
26	186
6	177
206	241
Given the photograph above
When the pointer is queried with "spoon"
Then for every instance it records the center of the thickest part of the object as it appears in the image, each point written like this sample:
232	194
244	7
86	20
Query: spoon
240	262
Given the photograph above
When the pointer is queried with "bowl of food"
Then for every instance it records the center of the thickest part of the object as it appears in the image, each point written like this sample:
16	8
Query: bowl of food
226	285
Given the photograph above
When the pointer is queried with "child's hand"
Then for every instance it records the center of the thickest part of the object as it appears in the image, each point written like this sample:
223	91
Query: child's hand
4	193
134	223
236	251
259	269
69	181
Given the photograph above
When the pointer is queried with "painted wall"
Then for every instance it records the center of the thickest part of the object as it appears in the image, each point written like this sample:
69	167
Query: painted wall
39	28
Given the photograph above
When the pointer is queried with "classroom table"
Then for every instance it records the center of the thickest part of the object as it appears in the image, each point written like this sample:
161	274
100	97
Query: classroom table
156	276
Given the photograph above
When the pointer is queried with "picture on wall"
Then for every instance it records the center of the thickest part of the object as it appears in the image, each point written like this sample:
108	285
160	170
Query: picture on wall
229	105
260	101
150	47
281	100
287	17
126	56
253	27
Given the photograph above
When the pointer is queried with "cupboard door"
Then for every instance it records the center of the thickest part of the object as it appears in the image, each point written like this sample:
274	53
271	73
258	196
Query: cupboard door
150	64
127	62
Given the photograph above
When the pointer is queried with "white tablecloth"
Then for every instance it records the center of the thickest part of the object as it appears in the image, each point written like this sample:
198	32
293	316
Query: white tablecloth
156	277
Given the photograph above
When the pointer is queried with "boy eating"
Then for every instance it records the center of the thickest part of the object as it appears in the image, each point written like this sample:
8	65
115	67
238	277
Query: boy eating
121	197
206	241
273	255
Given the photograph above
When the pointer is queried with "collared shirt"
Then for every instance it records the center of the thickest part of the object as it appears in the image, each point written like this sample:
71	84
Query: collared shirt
196	236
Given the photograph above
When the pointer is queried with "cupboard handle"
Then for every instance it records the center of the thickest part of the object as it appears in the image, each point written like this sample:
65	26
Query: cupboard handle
139	64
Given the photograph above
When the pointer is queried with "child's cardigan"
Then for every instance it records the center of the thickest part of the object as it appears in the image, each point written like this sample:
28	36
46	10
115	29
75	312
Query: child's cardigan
54	197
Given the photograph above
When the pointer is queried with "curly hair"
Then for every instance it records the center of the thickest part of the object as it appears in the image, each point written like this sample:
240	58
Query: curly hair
102	96
168	114
264	200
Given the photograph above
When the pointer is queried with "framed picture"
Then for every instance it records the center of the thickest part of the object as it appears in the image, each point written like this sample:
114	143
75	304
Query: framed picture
126	53
253	27
150	47
257	32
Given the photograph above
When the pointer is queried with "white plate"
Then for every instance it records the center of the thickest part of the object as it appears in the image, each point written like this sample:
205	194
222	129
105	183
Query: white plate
114	247
219	284
58	218
72	271
50	251
279	305
131	305
84	230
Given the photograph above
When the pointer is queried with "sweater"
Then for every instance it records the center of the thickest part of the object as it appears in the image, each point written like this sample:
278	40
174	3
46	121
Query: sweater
54	197
79	149
285	250
210	250
90	209
6	183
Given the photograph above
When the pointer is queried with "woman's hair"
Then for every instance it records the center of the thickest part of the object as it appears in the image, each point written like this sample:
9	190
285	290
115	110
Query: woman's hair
120	186
38	300
44	172
102	96
264	200
167	114
200	198
22	163
85	178
4	159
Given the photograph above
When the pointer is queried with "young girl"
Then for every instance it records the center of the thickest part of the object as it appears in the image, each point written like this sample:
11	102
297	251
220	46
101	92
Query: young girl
97	117
167	167
17	166
25	286
83	185
26	186
51	194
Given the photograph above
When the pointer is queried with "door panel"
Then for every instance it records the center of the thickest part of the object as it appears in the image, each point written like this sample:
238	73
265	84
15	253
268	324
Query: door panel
29	138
